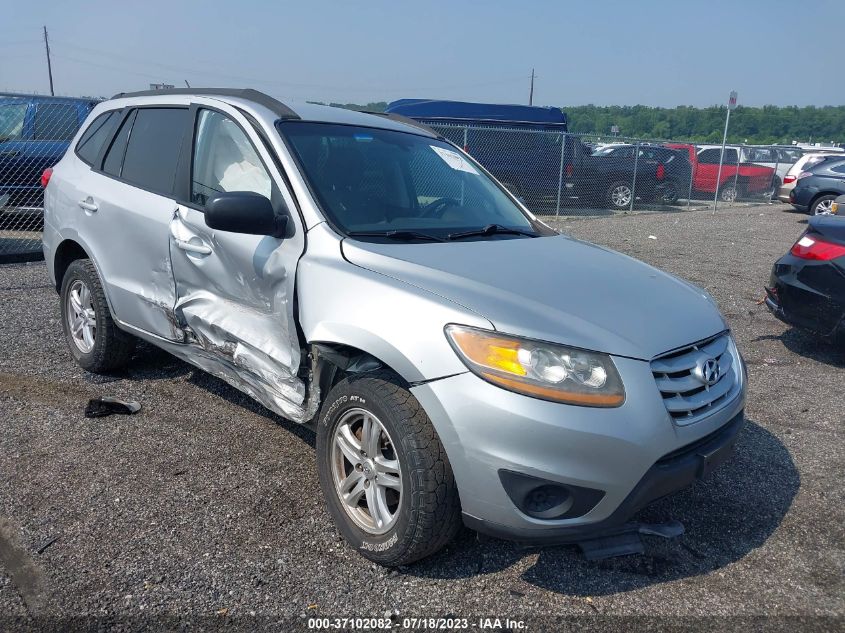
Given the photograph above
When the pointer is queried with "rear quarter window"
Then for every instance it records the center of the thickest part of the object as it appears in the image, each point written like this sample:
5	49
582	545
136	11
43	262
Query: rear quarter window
96	135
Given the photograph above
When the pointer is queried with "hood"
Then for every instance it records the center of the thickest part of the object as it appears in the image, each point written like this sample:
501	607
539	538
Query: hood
556	289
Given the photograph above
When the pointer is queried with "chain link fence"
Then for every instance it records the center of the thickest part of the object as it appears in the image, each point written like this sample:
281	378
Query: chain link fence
560	173
35	132
553	173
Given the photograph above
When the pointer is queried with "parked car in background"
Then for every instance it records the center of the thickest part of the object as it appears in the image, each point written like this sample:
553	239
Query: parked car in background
676	173
807	285
803	164
737	179
34	134
780	159
817	188
520	145
445	379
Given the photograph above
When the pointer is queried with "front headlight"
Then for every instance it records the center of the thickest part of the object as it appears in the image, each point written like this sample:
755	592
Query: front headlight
538	369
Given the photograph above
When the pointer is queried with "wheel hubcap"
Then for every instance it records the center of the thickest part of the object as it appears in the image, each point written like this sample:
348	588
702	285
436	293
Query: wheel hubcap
81	318
621	196
366	473
729	194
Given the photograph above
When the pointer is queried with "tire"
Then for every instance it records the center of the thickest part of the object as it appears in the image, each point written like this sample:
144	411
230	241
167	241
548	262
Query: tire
619	195
424	514
821	205
669	194
728	193
107	348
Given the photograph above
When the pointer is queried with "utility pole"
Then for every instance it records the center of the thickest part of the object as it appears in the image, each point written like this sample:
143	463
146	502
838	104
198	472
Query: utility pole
530	94
49	66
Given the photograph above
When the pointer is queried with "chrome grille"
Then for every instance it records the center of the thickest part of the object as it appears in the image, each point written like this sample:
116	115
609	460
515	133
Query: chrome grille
678	376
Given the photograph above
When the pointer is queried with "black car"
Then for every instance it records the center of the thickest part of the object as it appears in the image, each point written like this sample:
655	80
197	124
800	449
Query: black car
807	286
673	179
817	188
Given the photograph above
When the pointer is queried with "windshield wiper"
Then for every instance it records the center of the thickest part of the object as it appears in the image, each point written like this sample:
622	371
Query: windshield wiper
397	235
490	229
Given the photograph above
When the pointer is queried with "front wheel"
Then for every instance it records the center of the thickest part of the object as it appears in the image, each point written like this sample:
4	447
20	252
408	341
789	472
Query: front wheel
384	472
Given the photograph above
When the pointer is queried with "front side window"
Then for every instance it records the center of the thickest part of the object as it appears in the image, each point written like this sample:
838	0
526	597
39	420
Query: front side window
55	122
225	160
377	180
12	116
152	152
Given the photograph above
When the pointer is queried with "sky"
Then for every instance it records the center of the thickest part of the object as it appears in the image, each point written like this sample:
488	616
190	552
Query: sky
602	52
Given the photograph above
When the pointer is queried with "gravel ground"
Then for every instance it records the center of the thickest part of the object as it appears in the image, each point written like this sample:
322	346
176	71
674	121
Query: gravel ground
206	504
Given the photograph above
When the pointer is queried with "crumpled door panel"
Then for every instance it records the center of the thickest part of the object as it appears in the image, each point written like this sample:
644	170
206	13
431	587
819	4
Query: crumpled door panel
235	302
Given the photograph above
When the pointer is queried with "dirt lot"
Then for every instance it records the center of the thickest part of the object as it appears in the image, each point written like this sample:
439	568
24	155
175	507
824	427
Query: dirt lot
205	504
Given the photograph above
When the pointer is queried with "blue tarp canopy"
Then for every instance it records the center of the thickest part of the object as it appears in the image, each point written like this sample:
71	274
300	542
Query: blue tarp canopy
436	110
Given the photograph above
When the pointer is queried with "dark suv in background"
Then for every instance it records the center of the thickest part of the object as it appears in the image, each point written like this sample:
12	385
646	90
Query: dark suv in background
674	178
34	134
817	188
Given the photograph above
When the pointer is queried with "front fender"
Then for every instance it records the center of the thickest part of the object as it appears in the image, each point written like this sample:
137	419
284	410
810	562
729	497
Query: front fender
397	323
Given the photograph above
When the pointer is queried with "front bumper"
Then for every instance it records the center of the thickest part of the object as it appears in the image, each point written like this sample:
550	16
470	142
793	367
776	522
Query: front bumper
670	474
616	460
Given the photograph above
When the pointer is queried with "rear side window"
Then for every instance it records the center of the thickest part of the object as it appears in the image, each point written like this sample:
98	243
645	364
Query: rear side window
97	133
153	149
711	156
114	157
55	122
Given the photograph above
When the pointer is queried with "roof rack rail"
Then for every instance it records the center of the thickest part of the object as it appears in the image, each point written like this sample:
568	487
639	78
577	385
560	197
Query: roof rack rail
406	120
276	106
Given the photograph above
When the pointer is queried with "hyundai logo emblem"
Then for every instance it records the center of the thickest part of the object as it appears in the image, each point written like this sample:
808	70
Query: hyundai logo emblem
708	371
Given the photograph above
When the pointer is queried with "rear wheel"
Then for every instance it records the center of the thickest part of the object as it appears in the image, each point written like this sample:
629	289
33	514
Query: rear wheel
669	193
619	195
728	193
823	205
384	472
94	340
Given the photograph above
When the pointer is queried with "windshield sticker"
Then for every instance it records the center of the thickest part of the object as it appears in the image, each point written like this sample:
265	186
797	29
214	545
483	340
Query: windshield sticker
454	160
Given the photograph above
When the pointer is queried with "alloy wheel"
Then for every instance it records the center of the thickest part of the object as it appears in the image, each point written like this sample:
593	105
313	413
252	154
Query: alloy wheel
81	317
620	196
366	472
824	207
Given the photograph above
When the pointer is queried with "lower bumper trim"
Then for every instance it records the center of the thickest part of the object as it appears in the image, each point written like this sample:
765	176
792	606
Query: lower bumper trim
673	472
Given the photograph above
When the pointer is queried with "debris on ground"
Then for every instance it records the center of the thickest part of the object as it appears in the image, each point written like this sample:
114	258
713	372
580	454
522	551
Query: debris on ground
101	407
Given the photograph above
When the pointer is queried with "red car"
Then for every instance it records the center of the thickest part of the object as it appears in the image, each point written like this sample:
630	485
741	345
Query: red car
738	180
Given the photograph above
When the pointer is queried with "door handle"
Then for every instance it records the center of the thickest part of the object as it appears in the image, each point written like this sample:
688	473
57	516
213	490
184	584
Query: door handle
88	206
200	249
10	152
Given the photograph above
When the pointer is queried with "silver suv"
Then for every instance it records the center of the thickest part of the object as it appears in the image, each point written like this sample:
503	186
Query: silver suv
459	360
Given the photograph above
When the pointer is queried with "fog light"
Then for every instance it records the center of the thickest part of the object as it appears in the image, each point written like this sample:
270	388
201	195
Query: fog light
545	501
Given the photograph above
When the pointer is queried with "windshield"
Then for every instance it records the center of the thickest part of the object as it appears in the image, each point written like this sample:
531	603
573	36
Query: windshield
11	120
371	180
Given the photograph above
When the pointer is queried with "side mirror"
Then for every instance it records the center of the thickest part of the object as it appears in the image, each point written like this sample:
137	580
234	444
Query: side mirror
244	212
